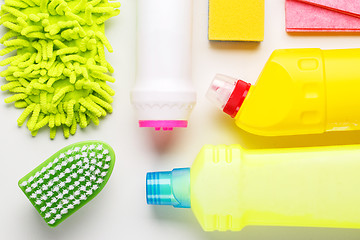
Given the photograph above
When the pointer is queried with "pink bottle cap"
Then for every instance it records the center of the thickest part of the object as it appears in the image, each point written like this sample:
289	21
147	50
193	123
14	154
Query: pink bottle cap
166	125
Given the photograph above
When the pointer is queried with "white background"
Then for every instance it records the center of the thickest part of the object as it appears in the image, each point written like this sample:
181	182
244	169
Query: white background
120	210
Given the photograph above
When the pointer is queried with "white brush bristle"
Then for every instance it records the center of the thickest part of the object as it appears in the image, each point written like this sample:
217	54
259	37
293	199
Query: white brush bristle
67	181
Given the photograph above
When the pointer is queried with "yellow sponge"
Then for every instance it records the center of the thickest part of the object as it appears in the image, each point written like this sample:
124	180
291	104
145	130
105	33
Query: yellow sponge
236	20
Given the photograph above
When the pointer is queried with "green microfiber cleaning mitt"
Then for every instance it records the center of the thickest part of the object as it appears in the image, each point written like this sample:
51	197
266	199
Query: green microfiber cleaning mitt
59	73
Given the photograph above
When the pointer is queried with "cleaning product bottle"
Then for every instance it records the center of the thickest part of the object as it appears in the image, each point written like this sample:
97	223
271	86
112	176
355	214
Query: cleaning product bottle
229	188
300	91
163	95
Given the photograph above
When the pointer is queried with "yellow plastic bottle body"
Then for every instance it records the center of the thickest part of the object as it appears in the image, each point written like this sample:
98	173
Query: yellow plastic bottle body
343	89
316	187
304	91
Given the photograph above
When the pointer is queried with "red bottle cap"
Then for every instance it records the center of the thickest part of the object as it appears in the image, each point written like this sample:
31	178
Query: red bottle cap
237	98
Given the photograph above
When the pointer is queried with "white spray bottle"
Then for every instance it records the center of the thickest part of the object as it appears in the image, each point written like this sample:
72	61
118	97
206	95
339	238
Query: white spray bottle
163	95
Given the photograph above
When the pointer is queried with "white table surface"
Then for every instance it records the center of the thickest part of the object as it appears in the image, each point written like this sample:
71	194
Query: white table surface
120	210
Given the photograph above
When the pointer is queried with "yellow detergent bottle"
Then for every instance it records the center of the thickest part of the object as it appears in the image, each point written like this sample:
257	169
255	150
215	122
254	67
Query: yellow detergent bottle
229	188
300	91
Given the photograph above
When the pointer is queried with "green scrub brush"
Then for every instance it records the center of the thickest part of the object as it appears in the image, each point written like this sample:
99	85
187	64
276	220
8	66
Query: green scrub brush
59	74
68	180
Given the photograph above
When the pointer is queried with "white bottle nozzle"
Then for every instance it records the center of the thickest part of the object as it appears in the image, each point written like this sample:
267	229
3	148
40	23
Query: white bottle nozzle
228	93
220	90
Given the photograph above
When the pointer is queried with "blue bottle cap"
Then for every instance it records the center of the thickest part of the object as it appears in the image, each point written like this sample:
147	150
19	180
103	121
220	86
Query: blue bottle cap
169	188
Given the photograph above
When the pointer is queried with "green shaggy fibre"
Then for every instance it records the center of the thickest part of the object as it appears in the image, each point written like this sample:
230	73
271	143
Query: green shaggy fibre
59	74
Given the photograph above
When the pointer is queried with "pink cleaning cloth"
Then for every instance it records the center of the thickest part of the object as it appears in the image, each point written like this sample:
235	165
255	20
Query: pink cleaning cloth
351	7
322	15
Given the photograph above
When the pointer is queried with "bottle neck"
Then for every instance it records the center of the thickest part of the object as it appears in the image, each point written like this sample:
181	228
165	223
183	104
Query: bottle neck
169	188
237	98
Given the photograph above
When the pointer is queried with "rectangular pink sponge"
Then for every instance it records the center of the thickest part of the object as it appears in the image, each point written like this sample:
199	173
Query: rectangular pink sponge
303	16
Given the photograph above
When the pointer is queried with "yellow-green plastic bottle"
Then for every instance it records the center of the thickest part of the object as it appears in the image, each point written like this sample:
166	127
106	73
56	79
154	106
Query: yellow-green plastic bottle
300	91
229	187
